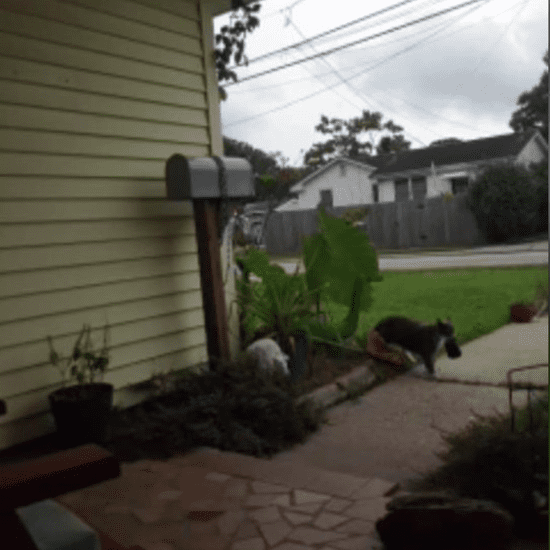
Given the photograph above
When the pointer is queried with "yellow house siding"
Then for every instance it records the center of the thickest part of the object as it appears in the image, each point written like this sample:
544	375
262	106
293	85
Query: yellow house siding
95	96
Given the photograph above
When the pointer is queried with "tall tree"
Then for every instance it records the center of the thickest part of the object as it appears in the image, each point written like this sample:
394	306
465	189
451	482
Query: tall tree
272	179
230	40
344	138
533	107
262	163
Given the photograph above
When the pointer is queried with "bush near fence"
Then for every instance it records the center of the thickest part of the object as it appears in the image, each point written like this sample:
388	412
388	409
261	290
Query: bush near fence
431	222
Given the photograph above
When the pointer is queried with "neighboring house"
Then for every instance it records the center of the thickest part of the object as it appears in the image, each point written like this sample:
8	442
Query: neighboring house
341	182
95	97
433	171
412	175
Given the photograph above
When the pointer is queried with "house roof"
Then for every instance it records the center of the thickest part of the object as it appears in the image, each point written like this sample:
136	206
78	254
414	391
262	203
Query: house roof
372	163
508	145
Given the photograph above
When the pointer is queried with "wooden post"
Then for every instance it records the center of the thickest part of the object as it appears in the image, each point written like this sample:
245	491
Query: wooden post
213	296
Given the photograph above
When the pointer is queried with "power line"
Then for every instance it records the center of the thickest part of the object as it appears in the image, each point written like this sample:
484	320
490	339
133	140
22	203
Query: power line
306	40
439	26
333	70
360	73
390	18
355	42
483	59
358	93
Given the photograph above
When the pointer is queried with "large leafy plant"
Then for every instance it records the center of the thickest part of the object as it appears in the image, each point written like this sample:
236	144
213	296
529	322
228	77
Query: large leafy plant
340	265
282	304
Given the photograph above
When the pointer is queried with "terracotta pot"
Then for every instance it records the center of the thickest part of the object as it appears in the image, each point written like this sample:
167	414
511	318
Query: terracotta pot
522	313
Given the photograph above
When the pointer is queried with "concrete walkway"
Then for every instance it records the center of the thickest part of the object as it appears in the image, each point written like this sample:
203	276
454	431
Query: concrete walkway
513	345
326	493
393	432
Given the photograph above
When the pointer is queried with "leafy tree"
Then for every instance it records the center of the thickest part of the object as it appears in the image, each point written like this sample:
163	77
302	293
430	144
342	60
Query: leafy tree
533	107
272	177
540	175
445	141
501	199
261	162
229	42
344	138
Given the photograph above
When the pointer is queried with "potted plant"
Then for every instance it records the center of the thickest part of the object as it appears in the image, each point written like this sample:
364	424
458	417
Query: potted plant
522	313
82	411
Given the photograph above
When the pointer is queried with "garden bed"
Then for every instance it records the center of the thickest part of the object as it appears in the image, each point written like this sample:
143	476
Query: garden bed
246	411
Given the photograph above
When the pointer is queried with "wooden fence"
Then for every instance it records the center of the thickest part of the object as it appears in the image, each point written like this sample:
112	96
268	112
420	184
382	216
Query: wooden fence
423	223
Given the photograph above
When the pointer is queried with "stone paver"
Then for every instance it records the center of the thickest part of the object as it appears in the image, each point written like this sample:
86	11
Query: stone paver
176	505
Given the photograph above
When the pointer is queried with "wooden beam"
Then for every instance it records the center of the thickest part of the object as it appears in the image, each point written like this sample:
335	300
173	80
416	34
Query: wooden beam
213	295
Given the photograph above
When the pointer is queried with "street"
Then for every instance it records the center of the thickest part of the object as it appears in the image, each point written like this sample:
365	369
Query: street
489	256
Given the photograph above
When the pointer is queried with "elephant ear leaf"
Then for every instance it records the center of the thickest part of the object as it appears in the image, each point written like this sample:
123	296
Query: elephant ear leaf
316	260
257	262
351	256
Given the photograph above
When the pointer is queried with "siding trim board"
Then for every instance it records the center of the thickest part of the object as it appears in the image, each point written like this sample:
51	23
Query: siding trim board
60	99
51	75
95	62
95	95
82	38
92	20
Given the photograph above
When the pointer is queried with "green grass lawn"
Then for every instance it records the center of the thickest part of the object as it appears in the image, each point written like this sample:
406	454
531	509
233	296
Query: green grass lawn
477	300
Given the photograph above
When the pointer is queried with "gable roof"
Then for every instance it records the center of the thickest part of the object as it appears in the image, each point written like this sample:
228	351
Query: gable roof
508	145
372	163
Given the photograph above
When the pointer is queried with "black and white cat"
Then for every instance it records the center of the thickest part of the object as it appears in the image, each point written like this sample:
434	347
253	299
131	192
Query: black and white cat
422	340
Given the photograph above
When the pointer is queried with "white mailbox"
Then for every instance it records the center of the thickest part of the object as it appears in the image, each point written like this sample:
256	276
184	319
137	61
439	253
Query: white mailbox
209	177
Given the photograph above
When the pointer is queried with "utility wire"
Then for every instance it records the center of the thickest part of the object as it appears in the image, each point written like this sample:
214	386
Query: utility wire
358	93
405	14
327	52
306	40
512	20
333	69
360	73
354	66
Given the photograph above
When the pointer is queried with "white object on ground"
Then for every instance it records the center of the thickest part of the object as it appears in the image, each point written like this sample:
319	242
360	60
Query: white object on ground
269	355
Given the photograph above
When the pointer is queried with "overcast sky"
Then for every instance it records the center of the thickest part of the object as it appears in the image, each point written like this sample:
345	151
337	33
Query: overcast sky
456	75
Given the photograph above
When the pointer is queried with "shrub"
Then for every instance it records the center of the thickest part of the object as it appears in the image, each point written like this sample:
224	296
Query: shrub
487	460
505	202
540	175
239	408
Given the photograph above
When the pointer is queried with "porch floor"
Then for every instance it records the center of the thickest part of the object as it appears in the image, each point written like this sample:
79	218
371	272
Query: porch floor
214	500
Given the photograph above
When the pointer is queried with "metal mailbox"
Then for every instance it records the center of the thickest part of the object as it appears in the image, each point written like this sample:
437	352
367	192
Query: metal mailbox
208	177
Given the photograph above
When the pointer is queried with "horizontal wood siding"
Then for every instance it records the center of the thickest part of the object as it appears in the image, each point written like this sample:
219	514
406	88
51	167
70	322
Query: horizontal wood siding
95	95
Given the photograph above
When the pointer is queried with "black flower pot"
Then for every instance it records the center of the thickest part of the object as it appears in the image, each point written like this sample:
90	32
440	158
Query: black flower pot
82	413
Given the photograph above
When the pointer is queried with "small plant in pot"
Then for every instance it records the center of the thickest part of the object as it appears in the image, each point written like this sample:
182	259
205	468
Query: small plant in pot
82	411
